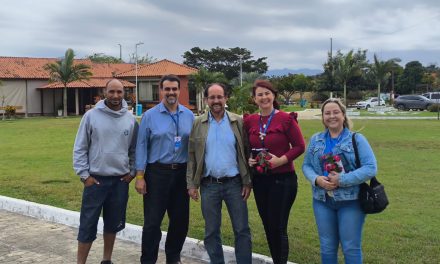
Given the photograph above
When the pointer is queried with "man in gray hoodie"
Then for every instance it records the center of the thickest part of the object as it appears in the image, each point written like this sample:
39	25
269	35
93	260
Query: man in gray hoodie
103	157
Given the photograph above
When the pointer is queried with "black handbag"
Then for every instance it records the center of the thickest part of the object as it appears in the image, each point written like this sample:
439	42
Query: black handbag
372	197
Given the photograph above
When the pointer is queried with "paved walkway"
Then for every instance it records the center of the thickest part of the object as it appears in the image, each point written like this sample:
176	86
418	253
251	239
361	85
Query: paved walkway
25	239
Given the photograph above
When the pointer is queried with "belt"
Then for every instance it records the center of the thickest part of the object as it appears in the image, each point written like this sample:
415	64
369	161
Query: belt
220	180
171	166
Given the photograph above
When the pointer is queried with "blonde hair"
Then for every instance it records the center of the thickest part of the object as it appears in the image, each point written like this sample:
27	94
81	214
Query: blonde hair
347	122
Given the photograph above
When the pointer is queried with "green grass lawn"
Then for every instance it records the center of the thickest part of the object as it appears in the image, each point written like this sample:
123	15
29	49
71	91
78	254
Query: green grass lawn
36	165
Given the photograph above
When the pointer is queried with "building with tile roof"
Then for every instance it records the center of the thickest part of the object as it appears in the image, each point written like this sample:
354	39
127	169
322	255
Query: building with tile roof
25	84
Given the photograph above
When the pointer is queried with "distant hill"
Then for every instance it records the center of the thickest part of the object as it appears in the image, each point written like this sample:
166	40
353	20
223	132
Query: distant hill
281	72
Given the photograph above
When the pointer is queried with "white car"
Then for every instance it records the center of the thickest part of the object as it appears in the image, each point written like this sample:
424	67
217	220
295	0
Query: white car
370	102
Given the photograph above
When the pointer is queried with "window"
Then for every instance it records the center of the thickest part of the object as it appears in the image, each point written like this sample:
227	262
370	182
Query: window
148	91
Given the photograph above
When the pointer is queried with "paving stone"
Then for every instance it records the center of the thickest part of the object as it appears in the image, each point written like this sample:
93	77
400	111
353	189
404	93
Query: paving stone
25	239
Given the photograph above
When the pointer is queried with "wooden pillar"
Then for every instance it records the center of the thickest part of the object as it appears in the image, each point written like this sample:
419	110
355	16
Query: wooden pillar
41	102
54	106
76	101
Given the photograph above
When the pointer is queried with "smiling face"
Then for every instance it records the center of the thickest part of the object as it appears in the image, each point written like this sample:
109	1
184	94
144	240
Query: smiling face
216	100
332	117
114	93
264	98
170	92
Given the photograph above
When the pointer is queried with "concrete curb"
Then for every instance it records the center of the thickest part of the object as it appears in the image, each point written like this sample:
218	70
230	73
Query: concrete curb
193	248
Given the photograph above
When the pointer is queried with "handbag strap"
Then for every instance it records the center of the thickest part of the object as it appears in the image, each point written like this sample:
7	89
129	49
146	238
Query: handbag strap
356	153
373	180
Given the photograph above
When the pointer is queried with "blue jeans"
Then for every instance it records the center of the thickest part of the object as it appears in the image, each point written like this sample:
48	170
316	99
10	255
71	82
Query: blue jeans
212	195
339	221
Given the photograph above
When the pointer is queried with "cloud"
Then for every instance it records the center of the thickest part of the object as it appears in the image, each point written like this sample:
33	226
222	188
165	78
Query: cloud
291	34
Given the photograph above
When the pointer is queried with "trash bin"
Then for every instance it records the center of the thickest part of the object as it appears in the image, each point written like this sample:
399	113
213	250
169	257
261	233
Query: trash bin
303	103
138	109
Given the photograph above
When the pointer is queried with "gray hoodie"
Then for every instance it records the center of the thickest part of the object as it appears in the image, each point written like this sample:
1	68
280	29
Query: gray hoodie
106	142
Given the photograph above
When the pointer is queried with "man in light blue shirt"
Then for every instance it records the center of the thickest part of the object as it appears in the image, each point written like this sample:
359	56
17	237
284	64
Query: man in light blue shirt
217	164
161	157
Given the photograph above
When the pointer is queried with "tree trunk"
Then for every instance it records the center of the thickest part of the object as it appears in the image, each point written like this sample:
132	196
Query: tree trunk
345	93
378	93
65	101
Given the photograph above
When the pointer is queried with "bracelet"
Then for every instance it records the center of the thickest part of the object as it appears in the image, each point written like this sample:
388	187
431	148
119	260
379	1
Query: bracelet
139	177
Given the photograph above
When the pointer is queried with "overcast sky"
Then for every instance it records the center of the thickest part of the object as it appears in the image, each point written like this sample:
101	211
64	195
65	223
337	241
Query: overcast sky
291	34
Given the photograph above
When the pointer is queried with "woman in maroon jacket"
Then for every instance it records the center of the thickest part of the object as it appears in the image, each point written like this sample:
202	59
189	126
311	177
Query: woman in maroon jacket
277	136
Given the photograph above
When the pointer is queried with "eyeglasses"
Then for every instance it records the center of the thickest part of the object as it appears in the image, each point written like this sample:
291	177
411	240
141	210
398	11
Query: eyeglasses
168	89
218	97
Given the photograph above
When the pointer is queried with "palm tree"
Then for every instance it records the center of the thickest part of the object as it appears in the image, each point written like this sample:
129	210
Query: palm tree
381	71
65	72
202	78
347	67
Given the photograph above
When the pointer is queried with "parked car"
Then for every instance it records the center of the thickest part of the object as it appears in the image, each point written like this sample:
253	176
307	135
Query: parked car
370	102
413	101
433	96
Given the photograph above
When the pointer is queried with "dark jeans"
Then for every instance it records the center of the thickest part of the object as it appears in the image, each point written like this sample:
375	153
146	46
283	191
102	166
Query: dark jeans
110	197
166	192
274	195
213	194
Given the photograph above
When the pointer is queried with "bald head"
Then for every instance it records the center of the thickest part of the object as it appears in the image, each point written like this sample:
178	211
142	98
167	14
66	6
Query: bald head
114	93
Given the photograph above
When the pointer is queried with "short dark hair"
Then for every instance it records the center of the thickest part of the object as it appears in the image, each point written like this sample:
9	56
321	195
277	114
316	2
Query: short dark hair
169	77
225	90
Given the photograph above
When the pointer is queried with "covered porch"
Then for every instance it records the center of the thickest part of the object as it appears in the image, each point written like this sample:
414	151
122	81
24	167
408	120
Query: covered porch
81	95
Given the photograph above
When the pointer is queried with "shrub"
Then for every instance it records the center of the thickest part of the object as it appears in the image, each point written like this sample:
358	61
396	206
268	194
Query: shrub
10	111
434	108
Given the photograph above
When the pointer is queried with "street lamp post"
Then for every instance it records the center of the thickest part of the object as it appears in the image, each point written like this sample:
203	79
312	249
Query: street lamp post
120	52
136	59
241	69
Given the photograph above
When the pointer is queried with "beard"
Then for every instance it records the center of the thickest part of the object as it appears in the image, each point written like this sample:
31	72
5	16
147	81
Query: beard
171	100
113	102
217	108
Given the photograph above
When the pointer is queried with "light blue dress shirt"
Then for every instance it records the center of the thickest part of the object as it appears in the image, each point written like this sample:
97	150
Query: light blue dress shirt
220	149
157	132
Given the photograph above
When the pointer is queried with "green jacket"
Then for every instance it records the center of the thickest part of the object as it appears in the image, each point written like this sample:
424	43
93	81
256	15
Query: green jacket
196	149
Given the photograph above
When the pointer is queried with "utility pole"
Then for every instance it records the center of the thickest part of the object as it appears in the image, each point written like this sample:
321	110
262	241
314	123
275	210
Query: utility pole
241	69
136	58
331	64
120	52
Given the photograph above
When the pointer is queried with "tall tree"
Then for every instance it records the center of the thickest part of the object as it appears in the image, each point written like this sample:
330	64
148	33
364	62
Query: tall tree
285	85
381	71
201	79
103	58
412	76
147	59
347	67
225	60
66	71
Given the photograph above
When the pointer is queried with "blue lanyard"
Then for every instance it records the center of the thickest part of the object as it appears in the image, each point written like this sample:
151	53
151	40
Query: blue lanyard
175	120
264	130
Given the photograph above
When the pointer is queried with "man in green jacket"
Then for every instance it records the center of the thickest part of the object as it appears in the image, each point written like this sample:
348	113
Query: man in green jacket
217	164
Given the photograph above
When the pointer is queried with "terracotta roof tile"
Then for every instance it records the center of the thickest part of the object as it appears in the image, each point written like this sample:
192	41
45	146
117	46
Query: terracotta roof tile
158	69
92	83
33	68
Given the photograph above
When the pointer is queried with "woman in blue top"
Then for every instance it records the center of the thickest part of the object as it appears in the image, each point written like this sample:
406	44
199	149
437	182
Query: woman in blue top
338	215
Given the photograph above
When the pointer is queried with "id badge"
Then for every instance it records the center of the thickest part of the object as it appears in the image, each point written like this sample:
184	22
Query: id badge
177	142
